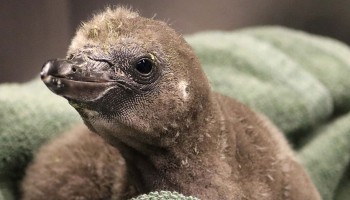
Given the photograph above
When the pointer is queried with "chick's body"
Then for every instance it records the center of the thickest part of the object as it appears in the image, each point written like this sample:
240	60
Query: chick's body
140	87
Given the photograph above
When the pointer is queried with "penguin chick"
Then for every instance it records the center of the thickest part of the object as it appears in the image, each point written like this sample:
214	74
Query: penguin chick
77	165
138	84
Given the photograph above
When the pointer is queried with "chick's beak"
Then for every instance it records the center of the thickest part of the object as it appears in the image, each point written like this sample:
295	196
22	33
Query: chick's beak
76	79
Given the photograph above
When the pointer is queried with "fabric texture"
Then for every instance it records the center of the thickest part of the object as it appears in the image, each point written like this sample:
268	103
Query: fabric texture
164	195
296	79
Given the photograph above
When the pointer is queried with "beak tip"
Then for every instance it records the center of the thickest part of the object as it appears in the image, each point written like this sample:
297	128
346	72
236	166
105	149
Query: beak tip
46	69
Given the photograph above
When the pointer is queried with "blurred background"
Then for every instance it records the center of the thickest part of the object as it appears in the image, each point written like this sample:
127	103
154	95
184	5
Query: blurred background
35	31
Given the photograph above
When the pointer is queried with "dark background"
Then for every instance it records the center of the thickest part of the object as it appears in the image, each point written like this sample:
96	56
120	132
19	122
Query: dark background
37	30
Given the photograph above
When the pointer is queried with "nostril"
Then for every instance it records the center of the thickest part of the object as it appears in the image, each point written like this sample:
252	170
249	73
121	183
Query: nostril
74	69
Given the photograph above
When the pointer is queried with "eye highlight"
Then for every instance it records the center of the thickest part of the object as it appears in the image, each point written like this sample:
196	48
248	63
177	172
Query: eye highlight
144	66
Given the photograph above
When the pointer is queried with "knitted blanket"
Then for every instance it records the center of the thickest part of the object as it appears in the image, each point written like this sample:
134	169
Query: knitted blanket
298	80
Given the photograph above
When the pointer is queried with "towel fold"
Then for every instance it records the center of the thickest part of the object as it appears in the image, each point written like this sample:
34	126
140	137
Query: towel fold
327	155
323	57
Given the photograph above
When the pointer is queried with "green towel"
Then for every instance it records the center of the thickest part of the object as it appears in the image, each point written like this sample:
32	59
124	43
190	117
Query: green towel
327	155
330	61
297	79
29	115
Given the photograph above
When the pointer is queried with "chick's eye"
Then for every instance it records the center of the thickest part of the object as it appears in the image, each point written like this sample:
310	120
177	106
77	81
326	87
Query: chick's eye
144	66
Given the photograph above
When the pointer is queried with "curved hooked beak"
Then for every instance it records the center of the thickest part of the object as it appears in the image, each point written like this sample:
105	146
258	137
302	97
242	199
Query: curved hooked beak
77	79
